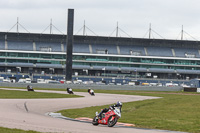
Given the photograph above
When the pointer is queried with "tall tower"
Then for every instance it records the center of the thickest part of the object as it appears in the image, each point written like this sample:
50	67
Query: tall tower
69	48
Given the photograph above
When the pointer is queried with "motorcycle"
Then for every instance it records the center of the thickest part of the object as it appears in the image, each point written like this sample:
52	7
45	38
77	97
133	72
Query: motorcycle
109	118
69	90
30	88
91	92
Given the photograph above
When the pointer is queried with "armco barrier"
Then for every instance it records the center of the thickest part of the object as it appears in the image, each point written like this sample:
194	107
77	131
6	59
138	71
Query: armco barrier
105	87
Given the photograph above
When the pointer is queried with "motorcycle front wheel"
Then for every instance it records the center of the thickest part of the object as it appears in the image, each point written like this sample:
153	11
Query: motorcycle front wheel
111	122
95	121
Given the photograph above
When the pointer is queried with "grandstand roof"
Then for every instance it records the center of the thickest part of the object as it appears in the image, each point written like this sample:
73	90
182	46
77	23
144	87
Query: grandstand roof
98	40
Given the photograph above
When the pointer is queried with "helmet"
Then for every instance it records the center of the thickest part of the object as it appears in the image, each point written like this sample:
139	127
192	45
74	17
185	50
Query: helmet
119	104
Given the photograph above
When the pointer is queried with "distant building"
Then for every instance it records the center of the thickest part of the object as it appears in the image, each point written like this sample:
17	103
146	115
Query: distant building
100	56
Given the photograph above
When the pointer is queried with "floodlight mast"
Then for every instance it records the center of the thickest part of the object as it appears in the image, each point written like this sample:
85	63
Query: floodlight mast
150	31
70	40
17	25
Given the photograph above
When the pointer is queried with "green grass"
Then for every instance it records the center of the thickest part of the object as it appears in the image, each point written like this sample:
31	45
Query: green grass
14	94
175	112
56	89
8	130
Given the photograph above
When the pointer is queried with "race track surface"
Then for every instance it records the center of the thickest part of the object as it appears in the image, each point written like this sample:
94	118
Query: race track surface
30	114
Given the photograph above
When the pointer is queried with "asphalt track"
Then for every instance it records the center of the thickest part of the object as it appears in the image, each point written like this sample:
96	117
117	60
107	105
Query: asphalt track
30	114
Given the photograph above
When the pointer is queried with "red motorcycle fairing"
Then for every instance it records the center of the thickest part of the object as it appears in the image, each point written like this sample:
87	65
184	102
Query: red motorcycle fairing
104	120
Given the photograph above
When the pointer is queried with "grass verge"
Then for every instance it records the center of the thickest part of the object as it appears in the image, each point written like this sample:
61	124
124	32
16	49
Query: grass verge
8	130
14	94
53	89
177	111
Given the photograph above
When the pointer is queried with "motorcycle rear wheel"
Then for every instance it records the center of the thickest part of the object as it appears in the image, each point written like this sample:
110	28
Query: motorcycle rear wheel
95	121
111	123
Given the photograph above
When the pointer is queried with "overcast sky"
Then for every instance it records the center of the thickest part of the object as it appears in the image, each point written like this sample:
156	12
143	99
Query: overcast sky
101	17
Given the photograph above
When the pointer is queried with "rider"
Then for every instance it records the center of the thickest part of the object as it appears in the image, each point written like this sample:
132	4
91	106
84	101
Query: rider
90	91
118	104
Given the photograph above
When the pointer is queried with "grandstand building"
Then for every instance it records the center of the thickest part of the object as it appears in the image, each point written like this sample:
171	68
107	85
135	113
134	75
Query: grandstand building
100	56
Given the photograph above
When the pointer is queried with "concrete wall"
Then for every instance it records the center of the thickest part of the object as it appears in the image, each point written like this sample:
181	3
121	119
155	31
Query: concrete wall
103	87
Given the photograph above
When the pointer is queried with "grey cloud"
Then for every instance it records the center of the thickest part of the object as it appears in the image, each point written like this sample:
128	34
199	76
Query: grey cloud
101	16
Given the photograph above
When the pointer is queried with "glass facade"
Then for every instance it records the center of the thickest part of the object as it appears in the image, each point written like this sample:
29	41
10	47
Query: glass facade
99	60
